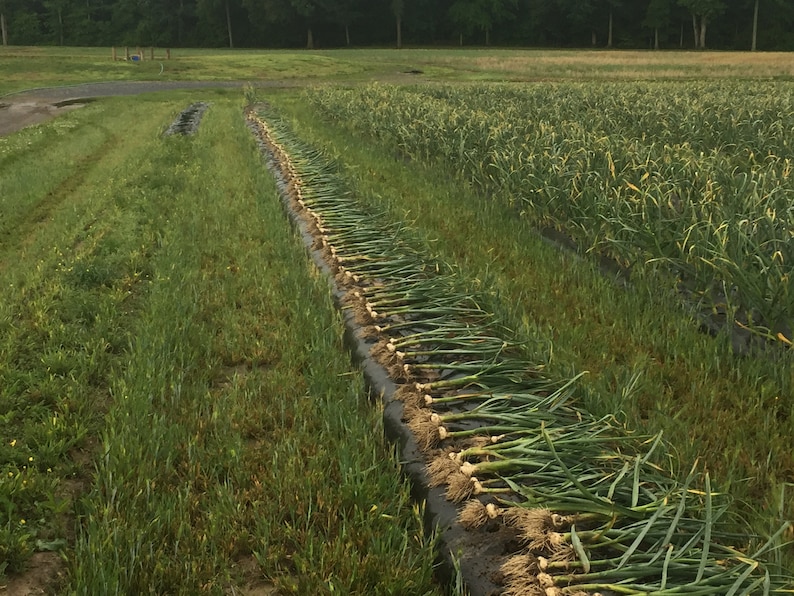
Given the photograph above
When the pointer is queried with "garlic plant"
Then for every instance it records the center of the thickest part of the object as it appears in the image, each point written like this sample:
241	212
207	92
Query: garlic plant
596	508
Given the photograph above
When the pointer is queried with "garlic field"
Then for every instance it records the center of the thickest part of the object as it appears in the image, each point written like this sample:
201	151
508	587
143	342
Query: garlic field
571	303
593	505
693	179
678	198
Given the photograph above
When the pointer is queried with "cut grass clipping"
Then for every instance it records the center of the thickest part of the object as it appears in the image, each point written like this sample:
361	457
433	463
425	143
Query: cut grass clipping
595	506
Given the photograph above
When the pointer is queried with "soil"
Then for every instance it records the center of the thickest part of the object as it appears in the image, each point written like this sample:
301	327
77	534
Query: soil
45	570
19	114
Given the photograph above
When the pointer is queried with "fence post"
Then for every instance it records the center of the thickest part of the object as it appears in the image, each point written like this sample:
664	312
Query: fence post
140	54
151	53
127	53
114	54
168	54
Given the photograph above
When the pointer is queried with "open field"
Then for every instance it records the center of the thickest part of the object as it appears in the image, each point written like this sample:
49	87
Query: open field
23	67
177	410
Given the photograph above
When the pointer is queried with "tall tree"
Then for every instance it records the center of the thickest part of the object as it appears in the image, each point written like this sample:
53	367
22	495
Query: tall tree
780	6
292	12
278	14
89	23
3	24
7	8
181	15
703	12
657	16
535	25
398	9
213	9
754	44
123	17
470	15
228	22
776	18
734	24
581	17
310	11
611	6
57	10
344	12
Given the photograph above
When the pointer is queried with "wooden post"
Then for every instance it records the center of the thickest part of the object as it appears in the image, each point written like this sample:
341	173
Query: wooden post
127	53
168	54
114	54
140	54
151	53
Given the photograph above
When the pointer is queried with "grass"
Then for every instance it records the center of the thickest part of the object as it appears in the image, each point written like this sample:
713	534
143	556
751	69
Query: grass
646	358
176	409
33	67
30	67
182	413
629	65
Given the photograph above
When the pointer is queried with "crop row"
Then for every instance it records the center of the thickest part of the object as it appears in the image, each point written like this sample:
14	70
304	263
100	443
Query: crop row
594	506
690	182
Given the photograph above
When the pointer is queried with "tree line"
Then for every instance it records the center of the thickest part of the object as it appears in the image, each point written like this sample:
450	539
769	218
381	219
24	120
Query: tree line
658	24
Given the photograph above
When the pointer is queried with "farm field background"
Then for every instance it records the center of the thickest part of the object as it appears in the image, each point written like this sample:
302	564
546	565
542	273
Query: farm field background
27	67
166	357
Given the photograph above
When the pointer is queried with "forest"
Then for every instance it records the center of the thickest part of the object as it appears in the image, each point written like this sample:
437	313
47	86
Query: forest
766	25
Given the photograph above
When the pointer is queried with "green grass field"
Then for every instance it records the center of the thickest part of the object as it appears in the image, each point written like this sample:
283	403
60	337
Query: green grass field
177	411
24	67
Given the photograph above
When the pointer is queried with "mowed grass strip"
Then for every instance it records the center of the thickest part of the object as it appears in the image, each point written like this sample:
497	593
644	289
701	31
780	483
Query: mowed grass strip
42	164
73	265
647	362
233	446
239	433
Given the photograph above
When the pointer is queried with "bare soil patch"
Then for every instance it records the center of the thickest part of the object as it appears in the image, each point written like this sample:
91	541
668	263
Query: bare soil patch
254	583
16	115
44	572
